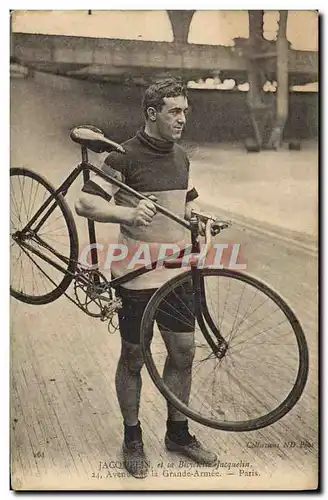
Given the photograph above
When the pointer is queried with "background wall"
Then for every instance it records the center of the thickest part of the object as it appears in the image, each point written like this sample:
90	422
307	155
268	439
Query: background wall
47	106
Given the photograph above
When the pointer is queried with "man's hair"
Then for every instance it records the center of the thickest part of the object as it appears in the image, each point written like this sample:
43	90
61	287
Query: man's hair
155	93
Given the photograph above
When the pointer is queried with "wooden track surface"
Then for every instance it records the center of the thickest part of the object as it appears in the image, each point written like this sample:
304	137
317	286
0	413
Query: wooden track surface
65	419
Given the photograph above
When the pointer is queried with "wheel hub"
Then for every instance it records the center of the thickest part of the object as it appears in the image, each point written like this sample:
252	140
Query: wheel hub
221	349
20	236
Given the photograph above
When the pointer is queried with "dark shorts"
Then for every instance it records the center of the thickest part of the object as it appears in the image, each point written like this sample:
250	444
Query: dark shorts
175	312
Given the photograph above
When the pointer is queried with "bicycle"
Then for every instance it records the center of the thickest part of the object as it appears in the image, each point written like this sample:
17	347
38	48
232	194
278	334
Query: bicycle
251	361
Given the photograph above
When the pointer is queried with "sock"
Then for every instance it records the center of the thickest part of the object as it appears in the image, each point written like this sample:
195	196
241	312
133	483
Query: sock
132	433
178	431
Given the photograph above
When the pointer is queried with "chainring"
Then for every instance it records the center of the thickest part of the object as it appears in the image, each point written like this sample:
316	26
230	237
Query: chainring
93	294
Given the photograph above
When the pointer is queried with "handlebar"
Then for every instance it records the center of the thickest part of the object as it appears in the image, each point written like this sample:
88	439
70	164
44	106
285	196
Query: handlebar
213	226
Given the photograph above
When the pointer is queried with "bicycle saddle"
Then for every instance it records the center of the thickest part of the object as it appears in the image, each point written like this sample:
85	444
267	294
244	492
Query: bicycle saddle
94	139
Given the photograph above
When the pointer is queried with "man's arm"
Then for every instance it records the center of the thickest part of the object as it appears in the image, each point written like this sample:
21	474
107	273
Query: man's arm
190	205
99	209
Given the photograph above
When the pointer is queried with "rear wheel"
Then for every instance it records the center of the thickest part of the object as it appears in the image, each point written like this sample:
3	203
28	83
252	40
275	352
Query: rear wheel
260	375
43	258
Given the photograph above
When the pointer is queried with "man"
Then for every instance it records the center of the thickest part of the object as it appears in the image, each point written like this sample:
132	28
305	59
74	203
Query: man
159	168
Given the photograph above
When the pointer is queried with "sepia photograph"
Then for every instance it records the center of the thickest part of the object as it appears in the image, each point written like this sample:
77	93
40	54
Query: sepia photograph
164	233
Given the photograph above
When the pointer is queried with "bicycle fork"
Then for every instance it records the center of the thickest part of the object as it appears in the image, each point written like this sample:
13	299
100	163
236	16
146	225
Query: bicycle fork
218	344
212	334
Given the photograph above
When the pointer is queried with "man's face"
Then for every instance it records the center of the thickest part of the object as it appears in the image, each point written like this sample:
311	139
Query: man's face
171	118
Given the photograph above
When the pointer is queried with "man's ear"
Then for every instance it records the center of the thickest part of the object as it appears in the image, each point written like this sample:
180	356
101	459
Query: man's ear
151	112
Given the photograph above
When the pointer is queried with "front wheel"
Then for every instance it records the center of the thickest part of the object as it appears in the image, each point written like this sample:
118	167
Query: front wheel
263	370
43	258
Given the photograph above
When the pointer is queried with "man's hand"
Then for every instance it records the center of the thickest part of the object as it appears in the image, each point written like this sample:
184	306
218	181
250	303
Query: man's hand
202	224
216	225
144	212
203	218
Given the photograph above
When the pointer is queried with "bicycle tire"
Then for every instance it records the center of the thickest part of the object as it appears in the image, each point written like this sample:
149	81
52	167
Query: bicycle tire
219	421
28	178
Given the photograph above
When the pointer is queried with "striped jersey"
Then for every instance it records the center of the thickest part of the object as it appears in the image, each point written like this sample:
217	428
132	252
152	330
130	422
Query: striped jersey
151	167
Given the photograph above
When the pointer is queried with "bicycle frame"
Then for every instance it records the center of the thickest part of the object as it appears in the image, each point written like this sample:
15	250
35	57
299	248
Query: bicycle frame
198	283
85	167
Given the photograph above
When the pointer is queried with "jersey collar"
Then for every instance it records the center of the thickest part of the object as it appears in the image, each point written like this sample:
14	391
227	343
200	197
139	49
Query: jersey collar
155	144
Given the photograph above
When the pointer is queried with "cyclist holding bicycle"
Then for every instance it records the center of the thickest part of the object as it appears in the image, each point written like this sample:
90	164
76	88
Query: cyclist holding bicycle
159	168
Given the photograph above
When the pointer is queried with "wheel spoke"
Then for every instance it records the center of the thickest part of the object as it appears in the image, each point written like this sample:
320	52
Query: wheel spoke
225	304
230	337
